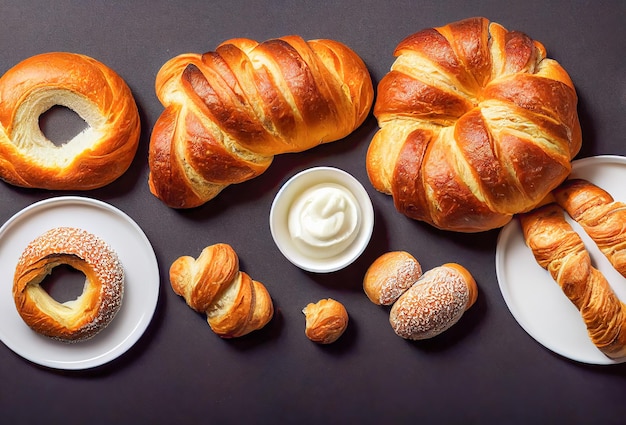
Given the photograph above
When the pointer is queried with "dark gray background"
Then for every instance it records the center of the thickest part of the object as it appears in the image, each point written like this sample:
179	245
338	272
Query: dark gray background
486	369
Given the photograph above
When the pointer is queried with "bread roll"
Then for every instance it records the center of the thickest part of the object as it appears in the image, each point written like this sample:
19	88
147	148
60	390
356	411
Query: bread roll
326	321
434	303
212	284
389	276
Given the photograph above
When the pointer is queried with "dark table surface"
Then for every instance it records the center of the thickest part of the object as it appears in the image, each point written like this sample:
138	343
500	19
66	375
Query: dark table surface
486	369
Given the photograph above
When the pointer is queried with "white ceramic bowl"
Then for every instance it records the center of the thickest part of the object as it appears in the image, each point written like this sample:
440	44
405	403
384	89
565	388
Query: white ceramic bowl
279	217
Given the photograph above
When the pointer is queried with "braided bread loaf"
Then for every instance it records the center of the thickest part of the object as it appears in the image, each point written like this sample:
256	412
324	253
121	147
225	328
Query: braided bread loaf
235	304
476	124
228	112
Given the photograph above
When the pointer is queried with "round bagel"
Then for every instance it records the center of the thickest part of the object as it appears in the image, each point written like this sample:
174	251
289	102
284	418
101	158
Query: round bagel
102	294
95	157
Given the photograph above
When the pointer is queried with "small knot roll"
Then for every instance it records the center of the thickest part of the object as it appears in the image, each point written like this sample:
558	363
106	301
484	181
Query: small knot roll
326	321
233	302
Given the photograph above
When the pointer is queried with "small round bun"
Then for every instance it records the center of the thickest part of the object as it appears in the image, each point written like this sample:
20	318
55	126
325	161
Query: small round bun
435	303
326	321
93	310
389	276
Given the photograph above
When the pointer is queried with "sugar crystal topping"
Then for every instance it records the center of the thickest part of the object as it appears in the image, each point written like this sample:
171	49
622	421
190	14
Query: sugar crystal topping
435	303
97	255
406	274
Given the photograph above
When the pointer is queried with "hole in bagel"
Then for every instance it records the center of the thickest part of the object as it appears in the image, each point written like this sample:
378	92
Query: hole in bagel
60	124
64	283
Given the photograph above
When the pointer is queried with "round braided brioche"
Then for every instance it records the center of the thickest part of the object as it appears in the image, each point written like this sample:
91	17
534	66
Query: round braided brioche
476	125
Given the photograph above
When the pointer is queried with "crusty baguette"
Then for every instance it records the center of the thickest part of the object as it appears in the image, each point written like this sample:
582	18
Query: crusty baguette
228	112
476	125
212	284
601	217
560	250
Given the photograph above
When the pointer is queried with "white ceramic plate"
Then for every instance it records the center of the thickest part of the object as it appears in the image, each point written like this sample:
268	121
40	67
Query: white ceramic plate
535	299
141	289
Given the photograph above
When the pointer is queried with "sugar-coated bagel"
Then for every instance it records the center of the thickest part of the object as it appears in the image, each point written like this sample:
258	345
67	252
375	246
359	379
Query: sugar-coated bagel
102	295
95	157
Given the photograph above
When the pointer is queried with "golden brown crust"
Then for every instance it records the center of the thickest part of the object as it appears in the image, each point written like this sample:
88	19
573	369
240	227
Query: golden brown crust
434	303
100	300
92	159
325	321
600	216
264	308
228	112
235	304
229	314
389	276
560	250
476	125
215	268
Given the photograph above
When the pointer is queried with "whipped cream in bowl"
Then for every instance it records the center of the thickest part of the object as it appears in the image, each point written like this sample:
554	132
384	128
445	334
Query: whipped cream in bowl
322	219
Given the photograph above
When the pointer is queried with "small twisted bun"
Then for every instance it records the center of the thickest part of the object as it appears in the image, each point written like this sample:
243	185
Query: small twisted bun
326	321
389	276
235	304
